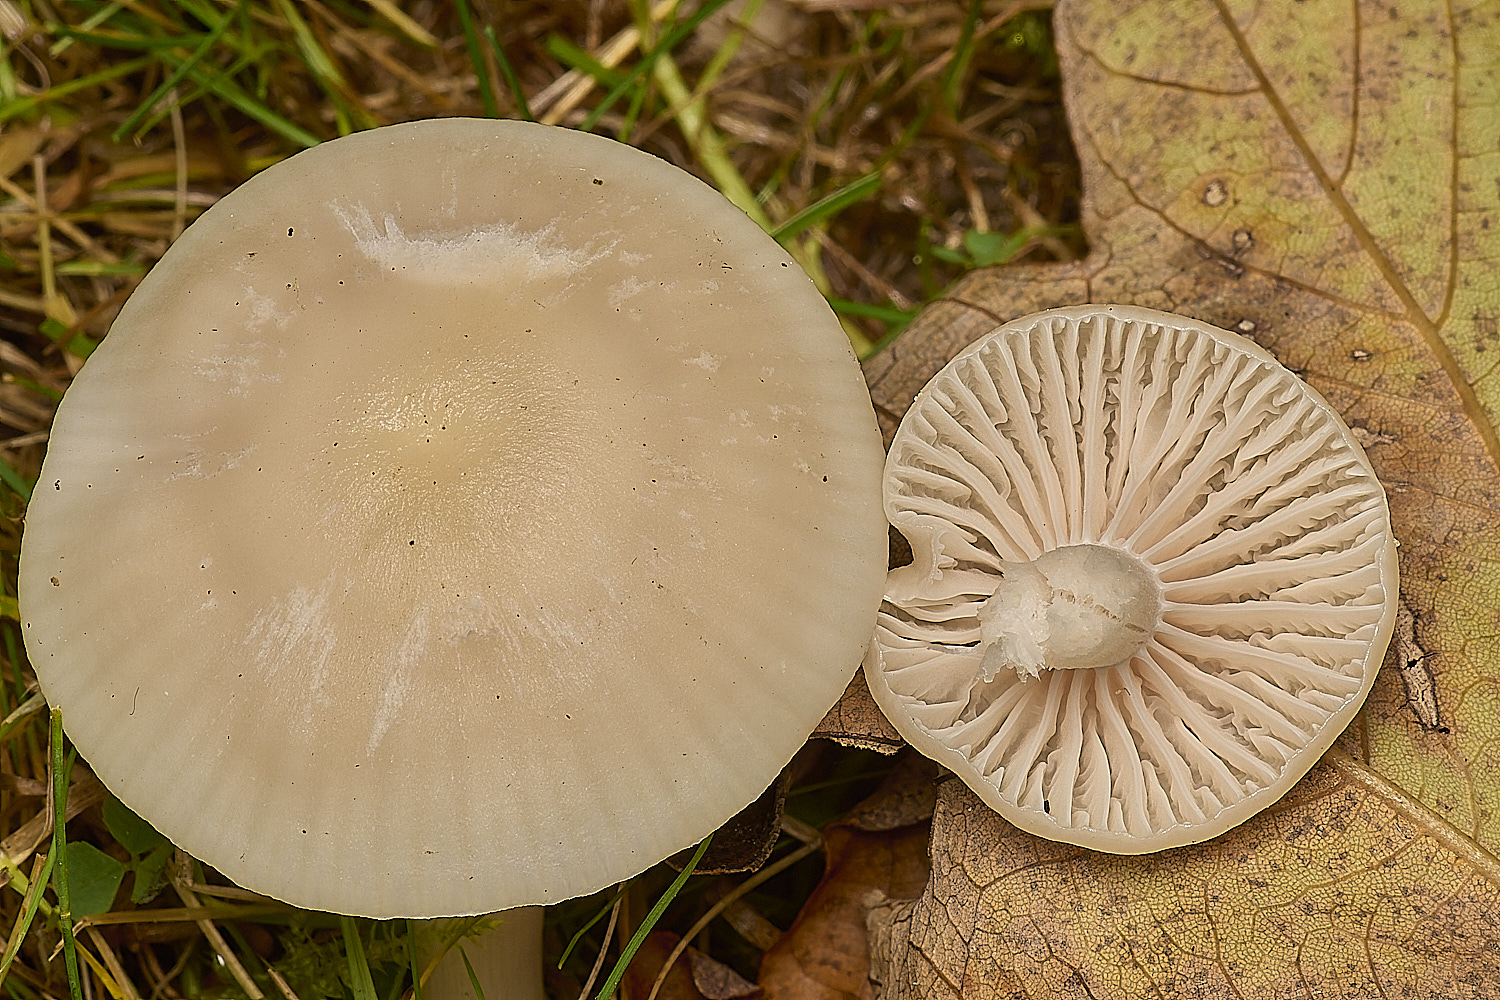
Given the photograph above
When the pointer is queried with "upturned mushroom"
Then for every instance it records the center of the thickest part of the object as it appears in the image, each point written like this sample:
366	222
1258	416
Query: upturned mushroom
461	515
1153	577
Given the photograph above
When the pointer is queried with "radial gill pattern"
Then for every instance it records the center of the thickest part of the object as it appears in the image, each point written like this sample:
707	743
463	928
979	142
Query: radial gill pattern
1181	449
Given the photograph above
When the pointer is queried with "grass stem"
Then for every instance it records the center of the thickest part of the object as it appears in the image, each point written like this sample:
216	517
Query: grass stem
62	766
639	937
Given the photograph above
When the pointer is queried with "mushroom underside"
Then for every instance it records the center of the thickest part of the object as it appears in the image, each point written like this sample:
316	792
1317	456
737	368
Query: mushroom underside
1228	590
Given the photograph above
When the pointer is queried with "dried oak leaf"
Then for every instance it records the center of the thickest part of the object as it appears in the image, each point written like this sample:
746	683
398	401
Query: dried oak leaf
875	855
1323	178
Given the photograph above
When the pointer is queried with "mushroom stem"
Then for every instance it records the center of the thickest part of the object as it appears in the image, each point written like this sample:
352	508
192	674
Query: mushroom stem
507	962
1077	607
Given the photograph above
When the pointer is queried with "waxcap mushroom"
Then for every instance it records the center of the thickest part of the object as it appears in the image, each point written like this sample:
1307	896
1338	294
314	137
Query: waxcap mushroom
1153	577
462	514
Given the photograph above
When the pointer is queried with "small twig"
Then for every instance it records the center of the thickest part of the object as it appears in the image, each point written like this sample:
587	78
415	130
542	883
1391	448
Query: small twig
1031	218
770	871
190	199
609	929
25	303
61	765
979	216
23	440
112	963
872	281
230	892
86	792
411	29
216	940
182	914
281	983
41	870
165	977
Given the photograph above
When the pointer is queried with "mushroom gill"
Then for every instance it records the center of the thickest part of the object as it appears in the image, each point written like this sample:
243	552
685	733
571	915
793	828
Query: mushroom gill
1153	577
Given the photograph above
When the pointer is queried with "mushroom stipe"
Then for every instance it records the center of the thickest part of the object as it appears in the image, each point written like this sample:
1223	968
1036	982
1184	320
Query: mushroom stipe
1153	577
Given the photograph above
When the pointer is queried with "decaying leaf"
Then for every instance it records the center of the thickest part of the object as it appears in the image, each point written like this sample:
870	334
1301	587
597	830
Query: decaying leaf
876	854
856	721
1325	179
717	981
694	975
646	965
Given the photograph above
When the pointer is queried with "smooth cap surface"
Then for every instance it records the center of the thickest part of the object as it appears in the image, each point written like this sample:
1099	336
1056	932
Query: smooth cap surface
462	514
1153	577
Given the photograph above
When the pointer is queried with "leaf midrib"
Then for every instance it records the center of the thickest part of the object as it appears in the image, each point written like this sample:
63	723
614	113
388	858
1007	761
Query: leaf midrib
1418	814
1427	327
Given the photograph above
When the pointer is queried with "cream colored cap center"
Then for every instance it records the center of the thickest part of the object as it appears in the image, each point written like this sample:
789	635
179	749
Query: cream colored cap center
1071	608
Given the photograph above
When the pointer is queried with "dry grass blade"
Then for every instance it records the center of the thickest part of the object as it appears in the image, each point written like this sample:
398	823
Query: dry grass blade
221	947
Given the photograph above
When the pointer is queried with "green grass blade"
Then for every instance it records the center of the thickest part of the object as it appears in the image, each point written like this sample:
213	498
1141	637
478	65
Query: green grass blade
512	82
100	16
45	391
724	55
361	983
411	957
403	23
204	12
603	912
828	206
668	42
174	78
14	480
67	338
639	937
313	55
62	766
885	314
573	57
129	43
230	93
26	105
476	57
963	56
473	976
99	269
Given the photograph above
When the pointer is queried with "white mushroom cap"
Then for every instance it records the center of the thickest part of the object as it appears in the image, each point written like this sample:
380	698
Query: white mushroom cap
463	514
1153	577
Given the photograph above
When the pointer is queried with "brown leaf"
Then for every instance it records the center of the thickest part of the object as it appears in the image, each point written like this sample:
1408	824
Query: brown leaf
856	721
717	981
871	858
646	966
1323	179
745	840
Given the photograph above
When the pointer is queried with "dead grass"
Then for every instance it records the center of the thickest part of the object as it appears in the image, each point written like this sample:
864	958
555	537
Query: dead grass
889	146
